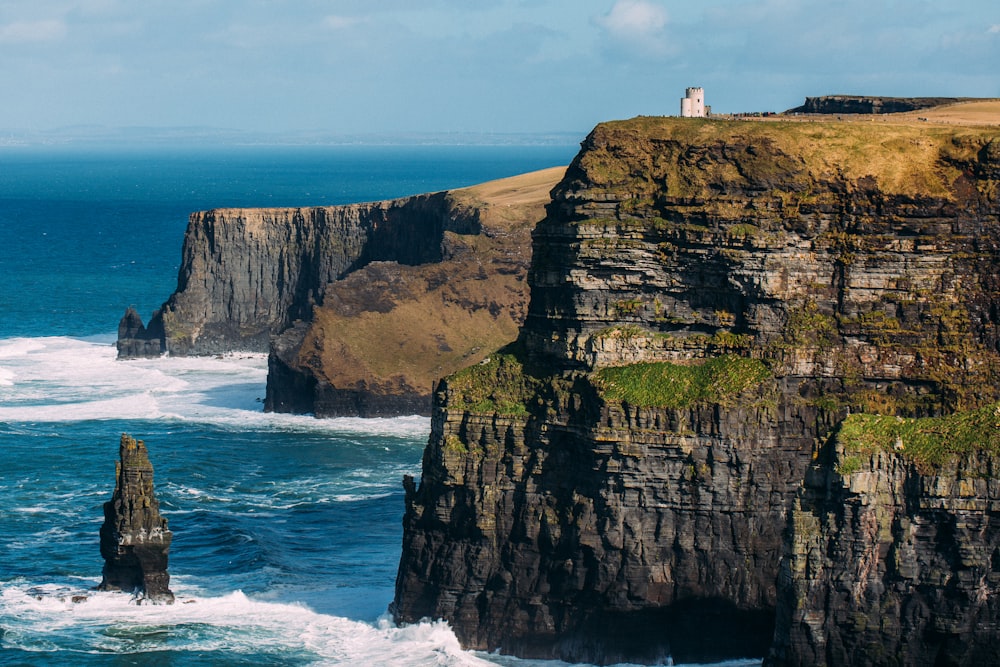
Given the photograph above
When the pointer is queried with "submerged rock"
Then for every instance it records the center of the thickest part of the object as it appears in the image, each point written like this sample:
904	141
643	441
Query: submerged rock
135	540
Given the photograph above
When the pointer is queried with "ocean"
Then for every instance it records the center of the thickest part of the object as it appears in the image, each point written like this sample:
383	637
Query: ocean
287	529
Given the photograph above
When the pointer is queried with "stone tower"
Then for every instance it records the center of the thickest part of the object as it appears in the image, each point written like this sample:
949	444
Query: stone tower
693	103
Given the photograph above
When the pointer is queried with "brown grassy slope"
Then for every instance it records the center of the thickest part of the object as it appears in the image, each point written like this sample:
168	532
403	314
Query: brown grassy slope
983	112
402	327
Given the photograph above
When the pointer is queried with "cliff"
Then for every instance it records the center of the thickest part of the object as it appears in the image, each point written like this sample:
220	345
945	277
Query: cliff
893	554
709	301
247	274
362	307
135	540
387	331
853	104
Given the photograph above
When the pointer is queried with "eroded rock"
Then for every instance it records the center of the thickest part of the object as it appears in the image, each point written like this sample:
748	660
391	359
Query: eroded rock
135	540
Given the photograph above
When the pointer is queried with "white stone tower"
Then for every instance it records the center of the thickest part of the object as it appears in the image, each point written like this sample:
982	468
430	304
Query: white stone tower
693	103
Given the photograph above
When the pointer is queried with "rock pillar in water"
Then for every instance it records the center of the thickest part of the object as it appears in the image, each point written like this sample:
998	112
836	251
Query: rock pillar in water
135	540
136	341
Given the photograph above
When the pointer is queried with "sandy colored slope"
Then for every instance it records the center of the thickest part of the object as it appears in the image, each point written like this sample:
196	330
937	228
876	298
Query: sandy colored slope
985	112
525	189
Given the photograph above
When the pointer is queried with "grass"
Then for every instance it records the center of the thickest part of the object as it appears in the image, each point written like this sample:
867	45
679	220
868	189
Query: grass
927	441
662	384
641	154
498	385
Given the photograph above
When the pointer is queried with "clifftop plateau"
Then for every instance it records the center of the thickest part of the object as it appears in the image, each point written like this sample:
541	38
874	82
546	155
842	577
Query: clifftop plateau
710	302
849	104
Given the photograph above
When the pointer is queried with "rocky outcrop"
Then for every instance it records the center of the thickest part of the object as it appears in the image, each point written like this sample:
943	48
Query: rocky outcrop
387	331
606	532
893	562
135	341
135	540
861	104
708	301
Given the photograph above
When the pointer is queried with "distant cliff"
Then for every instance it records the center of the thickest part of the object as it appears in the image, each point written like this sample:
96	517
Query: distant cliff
850	104
247	274
362	307
709	301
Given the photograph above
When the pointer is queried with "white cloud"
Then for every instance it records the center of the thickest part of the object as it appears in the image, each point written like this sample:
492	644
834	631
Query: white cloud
20	32
629	19
994	29
335	22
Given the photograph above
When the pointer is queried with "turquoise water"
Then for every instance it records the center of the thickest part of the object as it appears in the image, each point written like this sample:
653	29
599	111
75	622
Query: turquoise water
286	528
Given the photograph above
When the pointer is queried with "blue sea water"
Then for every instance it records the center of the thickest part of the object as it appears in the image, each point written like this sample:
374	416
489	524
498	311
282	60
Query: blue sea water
286	528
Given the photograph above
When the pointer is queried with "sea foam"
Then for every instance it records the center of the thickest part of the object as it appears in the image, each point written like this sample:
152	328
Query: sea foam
113	622
60	379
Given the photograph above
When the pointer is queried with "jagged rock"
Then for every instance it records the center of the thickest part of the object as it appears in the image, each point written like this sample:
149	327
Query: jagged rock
135	540
135	341
556	519
888	563
247	274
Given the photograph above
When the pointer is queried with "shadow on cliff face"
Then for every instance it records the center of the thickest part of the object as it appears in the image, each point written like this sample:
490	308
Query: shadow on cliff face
654	636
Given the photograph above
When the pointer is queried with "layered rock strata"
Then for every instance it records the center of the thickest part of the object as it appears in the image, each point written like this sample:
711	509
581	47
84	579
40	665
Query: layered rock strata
247	274
891	562
708	301
135	540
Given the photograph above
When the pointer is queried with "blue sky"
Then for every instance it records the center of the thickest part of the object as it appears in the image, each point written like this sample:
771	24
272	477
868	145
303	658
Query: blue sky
370	66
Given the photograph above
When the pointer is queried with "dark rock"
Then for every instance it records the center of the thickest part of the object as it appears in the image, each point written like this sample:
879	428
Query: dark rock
434	281
248	274
554	520
861	104
135	341
135	540
892	565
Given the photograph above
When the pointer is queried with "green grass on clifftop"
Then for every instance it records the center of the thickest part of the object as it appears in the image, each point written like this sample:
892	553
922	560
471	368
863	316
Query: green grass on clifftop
496	385
662	384
927	441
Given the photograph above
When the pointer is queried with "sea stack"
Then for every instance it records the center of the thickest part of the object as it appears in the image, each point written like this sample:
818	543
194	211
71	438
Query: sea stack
135	540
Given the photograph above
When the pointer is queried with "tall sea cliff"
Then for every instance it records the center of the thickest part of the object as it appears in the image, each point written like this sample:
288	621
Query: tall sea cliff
652	468
361	307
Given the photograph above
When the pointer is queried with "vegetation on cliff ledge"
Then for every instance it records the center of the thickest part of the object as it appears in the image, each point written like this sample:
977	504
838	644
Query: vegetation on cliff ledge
667	385
498	385
927	441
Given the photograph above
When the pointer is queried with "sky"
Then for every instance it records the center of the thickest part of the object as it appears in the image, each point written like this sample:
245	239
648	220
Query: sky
470	66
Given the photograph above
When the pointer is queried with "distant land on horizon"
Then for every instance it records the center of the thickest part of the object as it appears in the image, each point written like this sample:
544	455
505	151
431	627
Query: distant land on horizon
90	135
953	109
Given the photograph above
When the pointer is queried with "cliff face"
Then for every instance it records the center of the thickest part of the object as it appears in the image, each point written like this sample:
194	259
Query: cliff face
606	532
708	301
247	274
890	561
386	332
361	307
